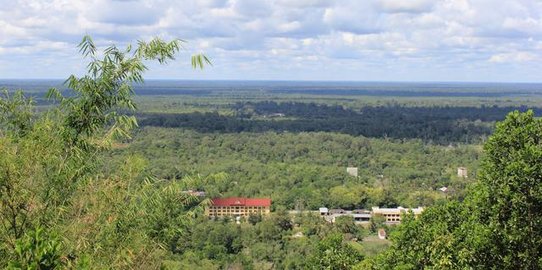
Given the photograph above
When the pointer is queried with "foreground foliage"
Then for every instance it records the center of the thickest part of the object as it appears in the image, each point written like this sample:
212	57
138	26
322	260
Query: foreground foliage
498	226
56	207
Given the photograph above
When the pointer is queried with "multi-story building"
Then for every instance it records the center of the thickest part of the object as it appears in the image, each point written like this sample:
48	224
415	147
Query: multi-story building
393	215
238	207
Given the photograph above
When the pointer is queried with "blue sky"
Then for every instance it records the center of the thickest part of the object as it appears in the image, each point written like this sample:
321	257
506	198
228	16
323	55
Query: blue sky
358	40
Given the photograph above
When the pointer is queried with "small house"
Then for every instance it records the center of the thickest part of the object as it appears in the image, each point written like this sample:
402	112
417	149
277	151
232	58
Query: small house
323	211
462	172
353	171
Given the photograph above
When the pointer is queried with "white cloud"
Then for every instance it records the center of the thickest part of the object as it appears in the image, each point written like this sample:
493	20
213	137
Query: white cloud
408	6
356	16
529	25
321	39
513	57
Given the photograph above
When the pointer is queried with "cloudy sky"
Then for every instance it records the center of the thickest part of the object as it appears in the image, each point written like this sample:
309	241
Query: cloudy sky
360	40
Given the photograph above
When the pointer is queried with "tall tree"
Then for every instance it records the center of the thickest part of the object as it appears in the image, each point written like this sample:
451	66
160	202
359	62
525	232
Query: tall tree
334	253
46	156
509	193
498	226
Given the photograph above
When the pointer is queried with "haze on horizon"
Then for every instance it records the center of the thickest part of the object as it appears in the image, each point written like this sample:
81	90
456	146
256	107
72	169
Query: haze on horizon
374	40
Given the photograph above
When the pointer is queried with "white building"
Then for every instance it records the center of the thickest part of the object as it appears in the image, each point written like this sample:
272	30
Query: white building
393	215
353	171
362	216
462	172
323	211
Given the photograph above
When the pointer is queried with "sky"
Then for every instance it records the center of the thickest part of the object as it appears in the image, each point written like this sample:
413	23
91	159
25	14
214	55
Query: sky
352	40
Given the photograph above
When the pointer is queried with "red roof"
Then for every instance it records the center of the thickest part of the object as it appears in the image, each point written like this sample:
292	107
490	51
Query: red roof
237	201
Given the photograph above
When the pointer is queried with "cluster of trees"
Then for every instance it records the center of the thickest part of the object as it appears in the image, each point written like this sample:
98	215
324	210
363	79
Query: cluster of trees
443	125
410	89
498	225
267	243
280	241
306	170
58	207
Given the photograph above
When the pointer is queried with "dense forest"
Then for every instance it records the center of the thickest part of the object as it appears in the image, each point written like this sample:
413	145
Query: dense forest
307	169
442	125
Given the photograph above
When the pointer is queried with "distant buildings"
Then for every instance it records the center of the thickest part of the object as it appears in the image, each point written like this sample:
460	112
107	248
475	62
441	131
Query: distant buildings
393	215
353	171
274	115
362	216
462	172
238	207
323	211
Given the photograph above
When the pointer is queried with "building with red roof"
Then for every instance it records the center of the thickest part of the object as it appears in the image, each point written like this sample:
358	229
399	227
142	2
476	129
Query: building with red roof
238	206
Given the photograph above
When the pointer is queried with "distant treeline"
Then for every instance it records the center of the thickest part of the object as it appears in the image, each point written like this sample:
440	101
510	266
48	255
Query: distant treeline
404	93
436	124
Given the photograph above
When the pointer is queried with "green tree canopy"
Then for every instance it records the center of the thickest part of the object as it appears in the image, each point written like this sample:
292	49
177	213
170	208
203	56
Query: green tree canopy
498	226
509	193
50	176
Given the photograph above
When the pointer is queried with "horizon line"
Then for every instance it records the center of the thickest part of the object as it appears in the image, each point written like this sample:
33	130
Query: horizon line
300	80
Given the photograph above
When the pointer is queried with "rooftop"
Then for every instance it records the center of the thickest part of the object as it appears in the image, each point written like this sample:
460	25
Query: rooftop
397	210
240	201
